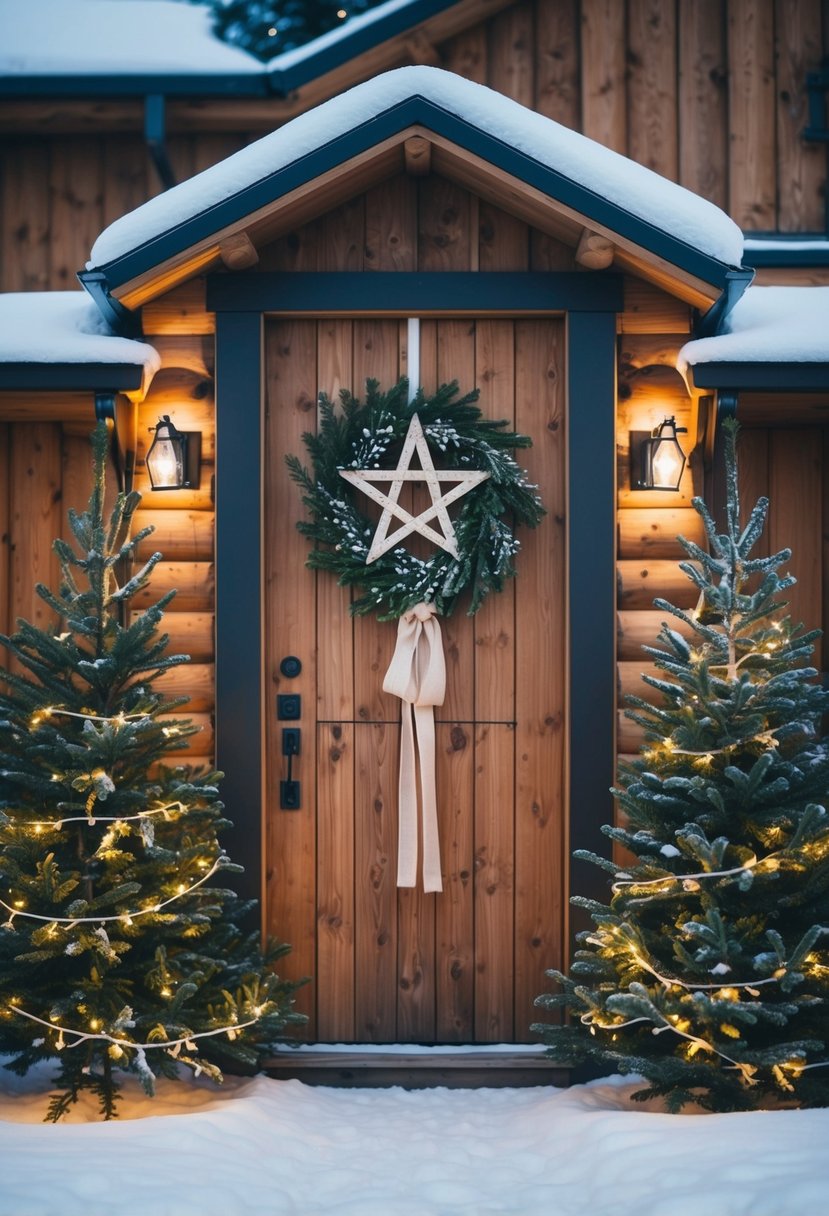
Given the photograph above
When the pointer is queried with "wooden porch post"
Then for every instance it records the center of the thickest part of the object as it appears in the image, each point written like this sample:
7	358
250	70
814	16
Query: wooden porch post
591	363
239	345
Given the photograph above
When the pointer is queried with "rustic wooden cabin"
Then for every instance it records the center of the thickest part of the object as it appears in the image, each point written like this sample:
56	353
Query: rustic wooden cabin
527	277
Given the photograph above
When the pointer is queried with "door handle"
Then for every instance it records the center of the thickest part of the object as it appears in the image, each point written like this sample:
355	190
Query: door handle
289	790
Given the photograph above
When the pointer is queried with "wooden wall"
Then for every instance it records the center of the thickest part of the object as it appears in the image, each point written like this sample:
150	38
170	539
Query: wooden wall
46	468
709	93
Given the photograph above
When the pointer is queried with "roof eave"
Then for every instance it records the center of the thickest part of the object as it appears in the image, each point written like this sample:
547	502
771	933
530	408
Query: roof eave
415	110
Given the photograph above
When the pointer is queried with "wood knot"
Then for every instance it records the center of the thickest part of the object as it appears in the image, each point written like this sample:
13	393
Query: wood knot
458	739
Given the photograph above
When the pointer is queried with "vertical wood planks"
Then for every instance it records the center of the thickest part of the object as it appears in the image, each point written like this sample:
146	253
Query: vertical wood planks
376	356
801	166
652	85
603	108
35	518
335	753
454	934
495	738
291	363
511	36
703	109
796	494
752	194
76	206
557	61
375	814
540	670
27	239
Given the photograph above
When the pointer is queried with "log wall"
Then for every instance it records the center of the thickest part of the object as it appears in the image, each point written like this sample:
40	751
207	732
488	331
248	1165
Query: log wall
709	93
45	468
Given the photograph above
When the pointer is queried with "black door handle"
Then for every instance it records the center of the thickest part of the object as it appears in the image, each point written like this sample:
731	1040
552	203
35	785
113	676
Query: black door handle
289	791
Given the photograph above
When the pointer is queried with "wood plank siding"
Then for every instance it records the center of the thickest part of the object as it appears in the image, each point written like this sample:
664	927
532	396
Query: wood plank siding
709	93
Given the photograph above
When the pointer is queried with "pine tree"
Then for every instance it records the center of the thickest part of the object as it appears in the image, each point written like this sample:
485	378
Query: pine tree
121	947
268	27
708	971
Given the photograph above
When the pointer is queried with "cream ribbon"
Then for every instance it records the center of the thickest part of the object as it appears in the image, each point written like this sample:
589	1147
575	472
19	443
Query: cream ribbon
417	674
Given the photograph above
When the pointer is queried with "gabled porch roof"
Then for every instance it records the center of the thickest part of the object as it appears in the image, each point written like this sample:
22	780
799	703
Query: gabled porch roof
420	119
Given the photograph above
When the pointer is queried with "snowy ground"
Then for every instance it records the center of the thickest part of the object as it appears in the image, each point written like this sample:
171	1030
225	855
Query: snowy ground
259	1147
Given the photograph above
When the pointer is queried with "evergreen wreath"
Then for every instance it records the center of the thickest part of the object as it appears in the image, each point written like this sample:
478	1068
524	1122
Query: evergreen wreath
370	435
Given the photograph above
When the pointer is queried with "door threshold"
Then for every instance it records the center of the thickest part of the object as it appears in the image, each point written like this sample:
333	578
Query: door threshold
417	1067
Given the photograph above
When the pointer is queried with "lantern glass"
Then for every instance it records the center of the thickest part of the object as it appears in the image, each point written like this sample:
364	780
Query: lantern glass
166	459
664	459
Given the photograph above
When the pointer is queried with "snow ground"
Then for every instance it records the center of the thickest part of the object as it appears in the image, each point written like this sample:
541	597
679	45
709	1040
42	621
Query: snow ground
265	1148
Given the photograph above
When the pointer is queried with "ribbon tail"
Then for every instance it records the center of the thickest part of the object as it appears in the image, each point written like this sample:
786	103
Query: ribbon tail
407	803
425	725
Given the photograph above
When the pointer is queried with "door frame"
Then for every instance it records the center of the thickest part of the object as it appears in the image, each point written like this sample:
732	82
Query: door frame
589	302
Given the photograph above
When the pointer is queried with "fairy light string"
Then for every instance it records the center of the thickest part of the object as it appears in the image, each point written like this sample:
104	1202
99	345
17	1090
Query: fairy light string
124	917
171	1046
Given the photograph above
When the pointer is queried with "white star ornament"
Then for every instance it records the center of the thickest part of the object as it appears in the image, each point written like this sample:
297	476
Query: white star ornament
365	479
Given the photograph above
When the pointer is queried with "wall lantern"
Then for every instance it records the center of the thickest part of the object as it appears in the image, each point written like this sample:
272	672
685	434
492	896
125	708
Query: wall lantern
174	458
658	460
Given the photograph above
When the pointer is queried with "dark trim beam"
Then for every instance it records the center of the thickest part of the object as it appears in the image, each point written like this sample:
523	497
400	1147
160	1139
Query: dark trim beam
591	393
239	382
71	377
763	377
472	292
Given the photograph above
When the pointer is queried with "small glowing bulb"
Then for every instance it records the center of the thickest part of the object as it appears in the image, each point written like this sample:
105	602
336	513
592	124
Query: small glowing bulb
165	991
126	920
38	829
342	14
94	1024
20	903
273	31
55	777
181	888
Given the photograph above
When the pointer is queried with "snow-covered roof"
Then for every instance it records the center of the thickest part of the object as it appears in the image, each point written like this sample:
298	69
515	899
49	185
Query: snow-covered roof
91	37
605	175
768	325
130	43
49	327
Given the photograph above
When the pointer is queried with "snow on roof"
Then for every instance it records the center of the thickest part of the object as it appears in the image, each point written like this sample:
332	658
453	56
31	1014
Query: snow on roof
64	327
143	37
768	325
85	37
638	190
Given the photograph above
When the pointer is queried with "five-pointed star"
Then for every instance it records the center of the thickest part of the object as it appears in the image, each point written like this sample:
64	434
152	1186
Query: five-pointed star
364	479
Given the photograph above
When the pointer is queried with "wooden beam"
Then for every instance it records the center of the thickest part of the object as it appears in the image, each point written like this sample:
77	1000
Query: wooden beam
421	49
418	152
594	250
238	252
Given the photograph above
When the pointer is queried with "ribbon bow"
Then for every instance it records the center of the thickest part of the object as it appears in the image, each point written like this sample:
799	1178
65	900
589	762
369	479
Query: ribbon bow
417	674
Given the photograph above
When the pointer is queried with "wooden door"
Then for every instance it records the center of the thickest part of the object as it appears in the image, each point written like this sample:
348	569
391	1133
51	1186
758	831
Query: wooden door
388	964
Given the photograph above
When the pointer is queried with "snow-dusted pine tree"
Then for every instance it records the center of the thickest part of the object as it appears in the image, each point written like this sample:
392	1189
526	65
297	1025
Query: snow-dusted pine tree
708	970
120	946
